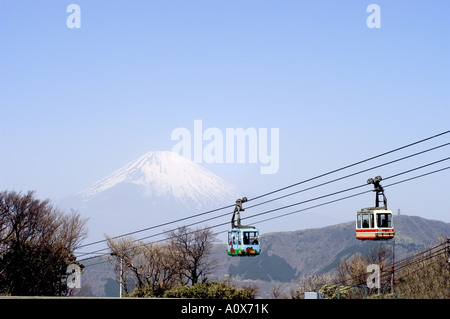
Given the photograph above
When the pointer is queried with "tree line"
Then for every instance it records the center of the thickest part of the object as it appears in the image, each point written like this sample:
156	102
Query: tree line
38	240
176	268
180	267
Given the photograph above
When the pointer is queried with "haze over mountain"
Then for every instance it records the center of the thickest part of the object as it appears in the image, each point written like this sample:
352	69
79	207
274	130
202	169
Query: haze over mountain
156	188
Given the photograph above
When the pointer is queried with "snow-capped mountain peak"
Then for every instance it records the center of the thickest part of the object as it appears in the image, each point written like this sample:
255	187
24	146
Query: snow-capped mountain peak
168	175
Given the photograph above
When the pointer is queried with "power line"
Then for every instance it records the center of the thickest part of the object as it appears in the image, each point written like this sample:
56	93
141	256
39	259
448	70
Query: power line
435	251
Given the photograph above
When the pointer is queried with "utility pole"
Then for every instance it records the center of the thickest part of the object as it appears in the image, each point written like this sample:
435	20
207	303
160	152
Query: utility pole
121	274
393	266
448	251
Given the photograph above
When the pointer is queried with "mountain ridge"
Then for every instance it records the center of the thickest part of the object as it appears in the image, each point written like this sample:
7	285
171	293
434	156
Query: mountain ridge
286	256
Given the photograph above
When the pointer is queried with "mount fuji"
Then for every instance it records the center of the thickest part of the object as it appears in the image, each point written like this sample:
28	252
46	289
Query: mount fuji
157	188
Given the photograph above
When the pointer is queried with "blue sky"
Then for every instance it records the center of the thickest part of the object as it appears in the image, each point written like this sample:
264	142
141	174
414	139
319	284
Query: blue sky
77	104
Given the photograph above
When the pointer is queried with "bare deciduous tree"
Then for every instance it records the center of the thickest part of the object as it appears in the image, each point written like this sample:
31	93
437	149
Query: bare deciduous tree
155	268
428	275
311	283
149	265
352	271
190	250
37	241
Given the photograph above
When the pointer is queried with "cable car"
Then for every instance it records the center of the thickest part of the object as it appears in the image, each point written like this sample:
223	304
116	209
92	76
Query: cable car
242	240
375	223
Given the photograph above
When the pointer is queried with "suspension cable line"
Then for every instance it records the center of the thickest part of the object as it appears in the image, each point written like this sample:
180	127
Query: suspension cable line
296	184
351	165
306	201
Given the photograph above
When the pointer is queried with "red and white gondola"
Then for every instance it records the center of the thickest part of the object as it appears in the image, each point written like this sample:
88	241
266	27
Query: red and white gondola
375	223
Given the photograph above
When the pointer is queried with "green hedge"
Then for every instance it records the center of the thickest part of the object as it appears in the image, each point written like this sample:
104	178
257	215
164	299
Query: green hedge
210	290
